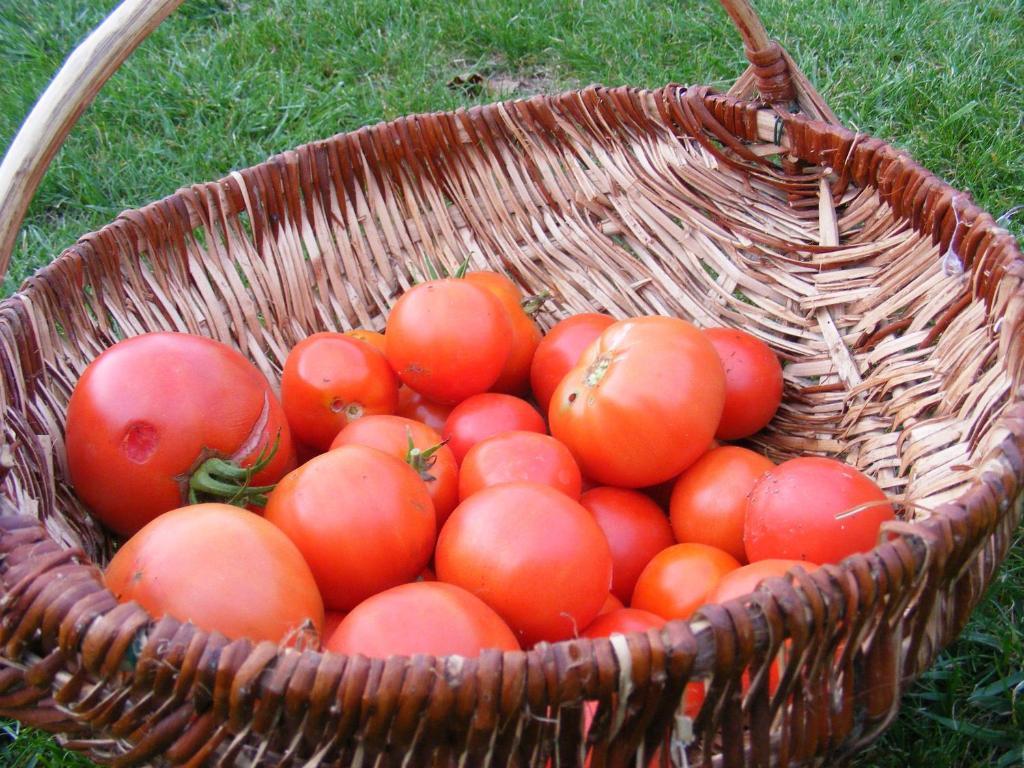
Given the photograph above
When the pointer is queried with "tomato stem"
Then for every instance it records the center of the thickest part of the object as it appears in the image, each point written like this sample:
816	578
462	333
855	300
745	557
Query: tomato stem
422	460
226	481
531	304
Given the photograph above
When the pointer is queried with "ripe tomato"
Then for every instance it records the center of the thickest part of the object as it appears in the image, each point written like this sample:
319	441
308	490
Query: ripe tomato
642	404
745	580
560	350
331	621
148	414
611	603
374	338
362	519
434	462
222	568
515	376
480	416
448	339
514	457
330	380
531	553
413	405
423	617
753	382
709	499
678	580
622	621
810	508
636	530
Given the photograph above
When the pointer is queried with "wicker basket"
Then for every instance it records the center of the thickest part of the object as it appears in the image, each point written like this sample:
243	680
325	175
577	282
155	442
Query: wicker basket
897	303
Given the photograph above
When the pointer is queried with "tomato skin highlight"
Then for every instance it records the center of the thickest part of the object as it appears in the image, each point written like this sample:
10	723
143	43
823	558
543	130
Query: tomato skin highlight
642	404
636	530
796	512
391	434
448	339
413	405
362	519
422	617
514	378
709	499
224	569
330	380
531	553
481	416
753	382
559	351
519	457
148	410
678	580
623	621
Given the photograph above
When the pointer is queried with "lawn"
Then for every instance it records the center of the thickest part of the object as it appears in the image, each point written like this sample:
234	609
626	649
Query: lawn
224	84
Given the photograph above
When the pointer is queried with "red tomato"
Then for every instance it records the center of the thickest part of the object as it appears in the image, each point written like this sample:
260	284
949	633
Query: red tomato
622	621
816	509
611	603
642	404
331	621
434	462
531	553
150	410
480	416
709	499
560	350
374	338
661	494
362	519
413	405
678	580
745	580
448	339
515	376
422	617
222	568
330	380
519	457
636	529
753	382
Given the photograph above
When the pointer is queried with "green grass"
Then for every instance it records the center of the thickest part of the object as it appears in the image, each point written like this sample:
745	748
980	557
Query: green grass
224	84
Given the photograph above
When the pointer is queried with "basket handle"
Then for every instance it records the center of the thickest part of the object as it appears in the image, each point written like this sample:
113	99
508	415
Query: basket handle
90	65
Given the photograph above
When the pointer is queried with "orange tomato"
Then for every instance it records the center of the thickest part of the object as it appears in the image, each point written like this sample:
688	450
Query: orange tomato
679	579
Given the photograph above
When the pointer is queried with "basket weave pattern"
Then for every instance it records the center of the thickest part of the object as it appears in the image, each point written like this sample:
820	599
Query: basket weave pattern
896	303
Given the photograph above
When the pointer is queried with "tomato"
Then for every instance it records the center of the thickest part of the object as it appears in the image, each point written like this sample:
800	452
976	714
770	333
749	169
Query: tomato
448	339
526	335
661	494
480	416
374	338
611	603
642	404
413	405
433	461
816	509
222	568
511	457
331	621
330	380
531	553
363	520
679	579
753	382
745	580
560	350
709	499
422	617
636	530
148	415
622	621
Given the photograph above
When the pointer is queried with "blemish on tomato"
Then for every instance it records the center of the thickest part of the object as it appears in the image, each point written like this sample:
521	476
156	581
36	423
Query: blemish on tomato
140	442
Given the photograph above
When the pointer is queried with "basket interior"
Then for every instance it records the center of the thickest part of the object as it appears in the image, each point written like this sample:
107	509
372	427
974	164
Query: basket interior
603	198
